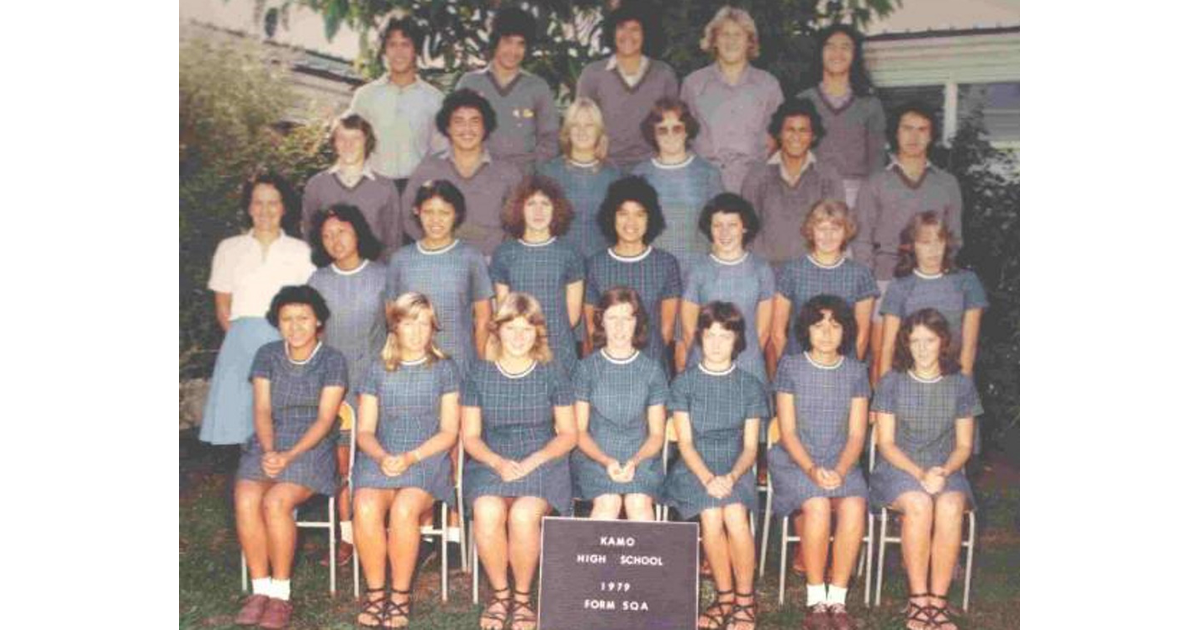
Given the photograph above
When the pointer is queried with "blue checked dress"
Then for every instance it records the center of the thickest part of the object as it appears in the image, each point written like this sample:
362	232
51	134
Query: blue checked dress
518	419
543	270
821	396
619	392
454	278
584	187
802	279
355	327
295	395
683	189
654	274
718	406
953	294
925	415
746	283
410	403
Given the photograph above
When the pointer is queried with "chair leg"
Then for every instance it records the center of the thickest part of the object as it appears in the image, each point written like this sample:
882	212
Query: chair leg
882	550
474	573
445	550
356	572
868	557
970	544
245	574
766	536
332	547
783	541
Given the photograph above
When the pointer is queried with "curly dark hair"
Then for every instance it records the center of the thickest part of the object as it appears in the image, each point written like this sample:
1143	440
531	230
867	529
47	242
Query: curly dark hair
290	223
913	107
446	191
470	99
512	218
408	27
729	203
652	31
512	21
299	294
860	81
661	107
813	312
636	189
369	247
621	295
932	319
729	317
797	107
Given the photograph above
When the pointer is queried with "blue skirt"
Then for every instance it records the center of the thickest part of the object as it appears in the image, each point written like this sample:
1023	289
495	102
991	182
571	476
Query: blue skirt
229	410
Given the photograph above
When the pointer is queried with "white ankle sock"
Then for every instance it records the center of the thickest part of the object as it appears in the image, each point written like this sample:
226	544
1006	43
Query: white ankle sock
816	594
261	586
348	532
837	595
282	589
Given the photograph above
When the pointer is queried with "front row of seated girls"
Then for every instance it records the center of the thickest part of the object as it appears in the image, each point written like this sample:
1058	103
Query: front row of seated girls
520	416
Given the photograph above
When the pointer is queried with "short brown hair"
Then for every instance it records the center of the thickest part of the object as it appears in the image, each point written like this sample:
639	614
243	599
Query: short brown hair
514	305
829	210
729	317
907	261
932	319
613	297
353	122
512	218
659	111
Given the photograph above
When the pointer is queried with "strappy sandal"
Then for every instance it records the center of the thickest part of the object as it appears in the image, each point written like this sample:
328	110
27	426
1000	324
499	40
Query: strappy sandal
488	615
939	616
717	613
373	607
919	613
525	609
749	611
397	612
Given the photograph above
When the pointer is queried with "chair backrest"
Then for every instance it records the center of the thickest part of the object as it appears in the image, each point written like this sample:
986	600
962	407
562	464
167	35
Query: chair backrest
871	451
349	422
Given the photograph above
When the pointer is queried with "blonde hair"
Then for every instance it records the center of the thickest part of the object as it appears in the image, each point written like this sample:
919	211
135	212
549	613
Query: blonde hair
829	210
513	306
583	105
407	307
742	18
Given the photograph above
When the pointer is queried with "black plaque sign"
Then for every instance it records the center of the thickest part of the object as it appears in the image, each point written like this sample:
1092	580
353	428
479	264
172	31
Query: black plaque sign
618	575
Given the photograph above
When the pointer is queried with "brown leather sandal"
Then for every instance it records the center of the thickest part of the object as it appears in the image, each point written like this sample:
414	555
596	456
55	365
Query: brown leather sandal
397	612
488	615
918	613
717	613
939	616
374	608
523	612
748	612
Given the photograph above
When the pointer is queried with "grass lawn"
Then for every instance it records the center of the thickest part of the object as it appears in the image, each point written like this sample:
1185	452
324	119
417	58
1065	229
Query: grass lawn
210	584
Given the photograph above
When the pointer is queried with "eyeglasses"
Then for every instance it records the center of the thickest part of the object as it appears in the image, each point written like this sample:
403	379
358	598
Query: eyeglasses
673	130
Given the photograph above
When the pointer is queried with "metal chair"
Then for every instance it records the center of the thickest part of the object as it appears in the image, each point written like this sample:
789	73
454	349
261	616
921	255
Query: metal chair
345	414
442	529
864	557
884	539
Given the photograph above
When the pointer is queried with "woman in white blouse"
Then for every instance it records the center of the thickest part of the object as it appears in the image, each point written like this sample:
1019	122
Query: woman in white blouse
247	271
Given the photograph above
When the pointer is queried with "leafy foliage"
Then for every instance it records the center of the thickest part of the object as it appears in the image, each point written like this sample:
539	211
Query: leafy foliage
231	98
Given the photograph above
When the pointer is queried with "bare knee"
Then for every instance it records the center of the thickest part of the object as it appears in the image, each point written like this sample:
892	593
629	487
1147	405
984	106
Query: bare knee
278	505
405	513
608	505
712	521
737	520
525	517
638	504
247	499
852	510
490	514
916	506
816	509
950	506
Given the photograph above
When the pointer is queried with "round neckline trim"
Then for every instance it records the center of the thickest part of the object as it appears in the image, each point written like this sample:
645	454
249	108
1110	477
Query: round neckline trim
541	244
729	263
726	372
670	167
521	374
925	380
611	359
435	252
312	354
592	164
928	276
630	259
415	362
839	263
822	366
357	269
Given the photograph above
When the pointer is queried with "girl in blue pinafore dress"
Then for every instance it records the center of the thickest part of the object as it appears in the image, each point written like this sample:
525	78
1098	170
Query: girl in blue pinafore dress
540	263
619	407
716	407
298	385
452	274
822	398
352	283
926	412
518	427
408	422
631	219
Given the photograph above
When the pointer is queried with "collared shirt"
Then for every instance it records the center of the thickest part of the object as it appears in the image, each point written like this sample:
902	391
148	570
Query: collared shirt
733	118
241	268
403	121
810	159
886	203
854	133
339	170
625	106
630	79
782	206
526	116
485	192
